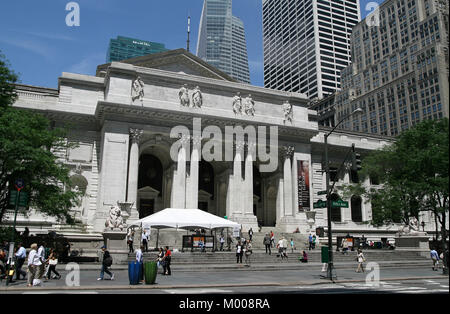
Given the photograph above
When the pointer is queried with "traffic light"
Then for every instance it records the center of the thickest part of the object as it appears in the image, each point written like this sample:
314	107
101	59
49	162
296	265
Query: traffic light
356	165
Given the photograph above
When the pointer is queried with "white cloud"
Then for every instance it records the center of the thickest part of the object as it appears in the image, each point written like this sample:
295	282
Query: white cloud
88	64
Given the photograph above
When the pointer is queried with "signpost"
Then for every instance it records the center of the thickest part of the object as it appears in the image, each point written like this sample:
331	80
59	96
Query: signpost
16	199
320	204
339	203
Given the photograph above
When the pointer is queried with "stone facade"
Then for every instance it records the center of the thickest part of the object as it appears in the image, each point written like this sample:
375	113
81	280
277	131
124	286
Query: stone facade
127	151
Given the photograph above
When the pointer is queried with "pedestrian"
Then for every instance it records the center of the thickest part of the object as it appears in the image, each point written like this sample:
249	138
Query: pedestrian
2	263
222	241
361	259
106	262
250	234
229	242
239	252
435	258
167	260
140	260
282	245
130	239
314	242
292	245
160	258
272	238
145	238
21	255
344	244
304	258
52	262
41	252
34	263
310	240
267	243
248	252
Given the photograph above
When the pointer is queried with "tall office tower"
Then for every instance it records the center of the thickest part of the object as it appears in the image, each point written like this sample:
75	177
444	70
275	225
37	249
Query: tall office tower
123	48
400	70
307	44
221	40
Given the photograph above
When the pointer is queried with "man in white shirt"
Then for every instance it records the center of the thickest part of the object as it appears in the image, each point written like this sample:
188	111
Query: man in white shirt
34	262
41	254
140	259
21	255
145	237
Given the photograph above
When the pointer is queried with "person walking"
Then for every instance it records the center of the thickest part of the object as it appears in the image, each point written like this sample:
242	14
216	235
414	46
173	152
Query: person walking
361	259
130	239
435	258
42	257
140	259
222	241
344	246
248	252
229	242
310	241
272	238
267	243
106	262
314	242
250	234
167	260
239	252
52	262
145	238
34	263
292	245
21	255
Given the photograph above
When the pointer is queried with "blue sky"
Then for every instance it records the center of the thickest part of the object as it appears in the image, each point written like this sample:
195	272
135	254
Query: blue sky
40	46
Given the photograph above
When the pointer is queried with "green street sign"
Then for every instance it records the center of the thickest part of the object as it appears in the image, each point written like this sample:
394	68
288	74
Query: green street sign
321	192
320	204
23	198
339	203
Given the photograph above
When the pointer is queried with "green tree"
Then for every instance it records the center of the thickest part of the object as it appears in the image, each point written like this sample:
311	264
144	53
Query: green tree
413	174
28	146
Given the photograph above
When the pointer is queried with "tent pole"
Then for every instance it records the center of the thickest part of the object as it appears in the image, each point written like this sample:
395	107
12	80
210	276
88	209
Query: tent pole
157	239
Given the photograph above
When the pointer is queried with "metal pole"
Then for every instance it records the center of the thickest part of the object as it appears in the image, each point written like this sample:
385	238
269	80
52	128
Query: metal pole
330	236
12	245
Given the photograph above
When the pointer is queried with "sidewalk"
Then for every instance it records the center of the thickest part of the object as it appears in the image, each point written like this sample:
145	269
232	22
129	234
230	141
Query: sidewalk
220	279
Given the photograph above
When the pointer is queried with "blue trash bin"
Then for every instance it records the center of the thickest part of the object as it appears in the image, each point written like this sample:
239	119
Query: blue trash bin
134	272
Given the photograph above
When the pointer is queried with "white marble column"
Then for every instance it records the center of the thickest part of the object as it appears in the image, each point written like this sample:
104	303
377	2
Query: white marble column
288	153
192	181
133	171
247	188
237	196
179	180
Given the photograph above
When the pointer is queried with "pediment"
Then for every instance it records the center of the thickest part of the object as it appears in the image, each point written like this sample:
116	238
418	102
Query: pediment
148	190
178	61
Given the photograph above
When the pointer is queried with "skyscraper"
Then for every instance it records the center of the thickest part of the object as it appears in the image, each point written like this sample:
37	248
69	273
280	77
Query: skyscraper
221	40
123	48
307	44
400	68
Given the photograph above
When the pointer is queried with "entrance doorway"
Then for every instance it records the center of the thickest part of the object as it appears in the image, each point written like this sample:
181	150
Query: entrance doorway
147	207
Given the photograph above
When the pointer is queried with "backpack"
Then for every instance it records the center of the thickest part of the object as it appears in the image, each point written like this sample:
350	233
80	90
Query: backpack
108	261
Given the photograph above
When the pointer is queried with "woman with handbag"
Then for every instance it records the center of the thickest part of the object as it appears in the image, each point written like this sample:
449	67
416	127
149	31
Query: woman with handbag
361	259
52	262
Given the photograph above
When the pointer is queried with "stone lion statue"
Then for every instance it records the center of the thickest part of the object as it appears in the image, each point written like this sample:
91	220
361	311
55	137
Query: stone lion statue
115	219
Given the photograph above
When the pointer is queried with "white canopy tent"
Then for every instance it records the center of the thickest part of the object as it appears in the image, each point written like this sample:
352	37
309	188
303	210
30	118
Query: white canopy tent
184	219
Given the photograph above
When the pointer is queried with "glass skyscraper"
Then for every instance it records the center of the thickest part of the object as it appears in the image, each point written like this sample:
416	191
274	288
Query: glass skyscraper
221	40
307	44
123	48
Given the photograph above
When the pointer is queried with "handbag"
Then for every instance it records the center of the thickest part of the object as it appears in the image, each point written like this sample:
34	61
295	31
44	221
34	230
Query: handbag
53	261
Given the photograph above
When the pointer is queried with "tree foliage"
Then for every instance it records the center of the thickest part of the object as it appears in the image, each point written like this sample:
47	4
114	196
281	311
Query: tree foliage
28	147
413	172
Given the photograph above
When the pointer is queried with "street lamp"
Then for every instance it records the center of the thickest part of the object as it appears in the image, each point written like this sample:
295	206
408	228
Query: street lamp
327	171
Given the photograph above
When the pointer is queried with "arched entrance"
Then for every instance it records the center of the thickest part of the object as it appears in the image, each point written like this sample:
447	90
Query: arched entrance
150	184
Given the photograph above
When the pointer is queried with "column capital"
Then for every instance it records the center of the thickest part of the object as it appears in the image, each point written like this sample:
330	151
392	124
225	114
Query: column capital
287	152
136	135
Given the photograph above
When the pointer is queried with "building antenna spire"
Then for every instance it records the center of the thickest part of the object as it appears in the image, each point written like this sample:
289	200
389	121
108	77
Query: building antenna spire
188	31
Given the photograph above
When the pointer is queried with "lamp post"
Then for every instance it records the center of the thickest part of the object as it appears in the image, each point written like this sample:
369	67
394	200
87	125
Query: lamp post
327	172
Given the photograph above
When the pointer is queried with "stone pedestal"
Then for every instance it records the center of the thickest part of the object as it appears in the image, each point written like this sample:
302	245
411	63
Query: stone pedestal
418	242
116	244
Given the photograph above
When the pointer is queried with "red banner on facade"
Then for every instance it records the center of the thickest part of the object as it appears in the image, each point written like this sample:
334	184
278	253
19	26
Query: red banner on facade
303	185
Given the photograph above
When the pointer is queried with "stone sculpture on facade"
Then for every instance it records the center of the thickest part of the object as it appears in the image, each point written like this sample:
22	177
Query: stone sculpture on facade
412	228
183	94
115	219
197	98
287	110
249	106
237	103
137	90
